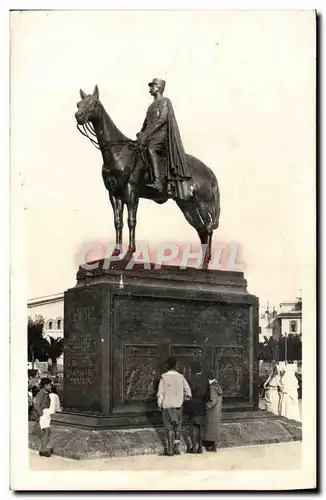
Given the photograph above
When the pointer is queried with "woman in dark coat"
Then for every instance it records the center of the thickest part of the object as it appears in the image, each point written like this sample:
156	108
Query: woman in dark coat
212	428
197	407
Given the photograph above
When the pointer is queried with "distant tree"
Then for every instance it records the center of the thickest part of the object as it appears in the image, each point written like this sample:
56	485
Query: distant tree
272	350
268	349
36	343
294	347
54	351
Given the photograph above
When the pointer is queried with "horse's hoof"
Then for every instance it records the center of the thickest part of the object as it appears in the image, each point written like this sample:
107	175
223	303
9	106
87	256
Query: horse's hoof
130	254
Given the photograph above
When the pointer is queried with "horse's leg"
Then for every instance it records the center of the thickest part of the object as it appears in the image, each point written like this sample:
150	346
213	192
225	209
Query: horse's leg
209	247
132	206
195	218
203	235
117	205
206	239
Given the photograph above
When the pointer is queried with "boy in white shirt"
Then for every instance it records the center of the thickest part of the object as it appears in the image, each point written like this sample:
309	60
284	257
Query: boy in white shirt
173	389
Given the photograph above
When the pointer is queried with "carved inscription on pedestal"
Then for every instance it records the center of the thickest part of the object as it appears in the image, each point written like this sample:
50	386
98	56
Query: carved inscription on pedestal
140	372
81	348
80	313
82	360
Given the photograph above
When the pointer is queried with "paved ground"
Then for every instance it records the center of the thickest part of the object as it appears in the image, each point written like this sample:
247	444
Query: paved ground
285	456
262	405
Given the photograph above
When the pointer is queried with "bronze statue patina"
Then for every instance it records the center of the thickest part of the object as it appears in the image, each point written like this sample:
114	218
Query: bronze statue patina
154	166
160	135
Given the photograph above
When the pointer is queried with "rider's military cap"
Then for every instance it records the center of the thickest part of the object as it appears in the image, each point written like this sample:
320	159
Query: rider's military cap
157	81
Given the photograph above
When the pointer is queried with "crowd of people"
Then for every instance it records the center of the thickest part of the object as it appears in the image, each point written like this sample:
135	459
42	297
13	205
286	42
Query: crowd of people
201	400
281	392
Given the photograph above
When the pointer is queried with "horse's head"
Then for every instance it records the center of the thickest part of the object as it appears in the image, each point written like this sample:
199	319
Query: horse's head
88	107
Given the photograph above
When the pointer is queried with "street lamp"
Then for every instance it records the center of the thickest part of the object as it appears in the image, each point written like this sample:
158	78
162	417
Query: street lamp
277	356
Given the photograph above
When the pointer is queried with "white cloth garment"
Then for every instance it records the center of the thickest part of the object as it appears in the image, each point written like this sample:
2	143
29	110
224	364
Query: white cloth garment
173	389
289	398
272	396
272	400
45	419
54	403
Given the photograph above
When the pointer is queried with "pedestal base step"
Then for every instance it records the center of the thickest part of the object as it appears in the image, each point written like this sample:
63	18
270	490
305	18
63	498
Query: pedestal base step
78	443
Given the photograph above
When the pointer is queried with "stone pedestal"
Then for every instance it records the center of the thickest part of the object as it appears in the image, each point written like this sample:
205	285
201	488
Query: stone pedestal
238	428
121	324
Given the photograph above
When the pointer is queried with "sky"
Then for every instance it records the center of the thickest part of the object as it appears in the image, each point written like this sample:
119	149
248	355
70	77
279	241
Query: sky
242	84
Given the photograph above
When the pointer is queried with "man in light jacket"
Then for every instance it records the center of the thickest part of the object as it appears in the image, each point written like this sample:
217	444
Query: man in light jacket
173	389
40	414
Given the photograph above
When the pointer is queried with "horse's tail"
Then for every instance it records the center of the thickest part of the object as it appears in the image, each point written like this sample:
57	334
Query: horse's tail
214	208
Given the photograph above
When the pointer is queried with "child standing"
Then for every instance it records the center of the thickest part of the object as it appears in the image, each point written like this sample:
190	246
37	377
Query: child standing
172	391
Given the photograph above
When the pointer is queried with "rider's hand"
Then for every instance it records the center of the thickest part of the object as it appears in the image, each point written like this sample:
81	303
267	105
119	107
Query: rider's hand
142	139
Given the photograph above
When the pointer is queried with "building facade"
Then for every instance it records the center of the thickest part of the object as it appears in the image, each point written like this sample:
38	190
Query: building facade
51	308
265	318
288	320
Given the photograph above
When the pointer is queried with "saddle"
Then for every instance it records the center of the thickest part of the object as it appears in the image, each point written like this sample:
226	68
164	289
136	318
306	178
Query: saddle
141	154
138	159
176	189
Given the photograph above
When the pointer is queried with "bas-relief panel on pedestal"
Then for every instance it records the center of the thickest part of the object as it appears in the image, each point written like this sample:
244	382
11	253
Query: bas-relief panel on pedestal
231	367
214	325
140	372
185	355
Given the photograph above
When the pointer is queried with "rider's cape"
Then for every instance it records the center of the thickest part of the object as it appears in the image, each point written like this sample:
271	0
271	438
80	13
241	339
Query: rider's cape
178	174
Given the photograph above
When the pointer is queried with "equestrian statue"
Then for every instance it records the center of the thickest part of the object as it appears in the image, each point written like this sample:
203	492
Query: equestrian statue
155	166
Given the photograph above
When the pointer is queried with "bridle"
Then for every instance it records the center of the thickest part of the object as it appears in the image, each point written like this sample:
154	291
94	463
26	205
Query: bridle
89	129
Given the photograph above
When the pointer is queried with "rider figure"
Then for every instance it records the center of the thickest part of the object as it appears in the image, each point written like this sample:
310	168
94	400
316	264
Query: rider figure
160	134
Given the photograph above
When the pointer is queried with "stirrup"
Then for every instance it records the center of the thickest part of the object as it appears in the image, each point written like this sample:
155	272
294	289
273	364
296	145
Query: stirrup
157	184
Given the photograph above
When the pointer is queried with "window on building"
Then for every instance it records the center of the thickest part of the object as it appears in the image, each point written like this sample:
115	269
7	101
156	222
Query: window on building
59	323
293	327
50	325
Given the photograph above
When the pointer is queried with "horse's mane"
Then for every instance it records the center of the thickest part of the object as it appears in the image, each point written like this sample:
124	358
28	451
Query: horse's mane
115	133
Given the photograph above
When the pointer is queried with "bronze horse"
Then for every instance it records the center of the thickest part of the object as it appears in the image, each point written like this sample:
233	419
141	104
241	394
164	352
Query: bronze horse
126	177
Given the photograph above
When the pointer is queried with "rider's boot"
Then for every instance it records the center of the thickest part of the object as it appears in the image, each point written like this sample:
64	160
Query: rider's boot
155	167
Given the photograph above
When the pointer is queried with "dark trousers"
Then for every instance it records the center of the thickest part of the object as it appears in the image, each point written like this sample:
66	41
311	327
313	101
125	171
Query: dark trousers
197	434
172	420
45	439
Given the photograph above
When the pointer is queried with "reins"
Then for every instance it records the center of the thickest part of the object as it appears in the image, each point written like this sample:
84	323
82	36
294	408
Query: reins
89	129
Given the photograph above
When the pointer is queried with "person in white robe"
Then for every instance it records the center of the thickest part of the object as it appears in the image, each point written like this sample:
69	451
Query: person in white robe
289	394
272	394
